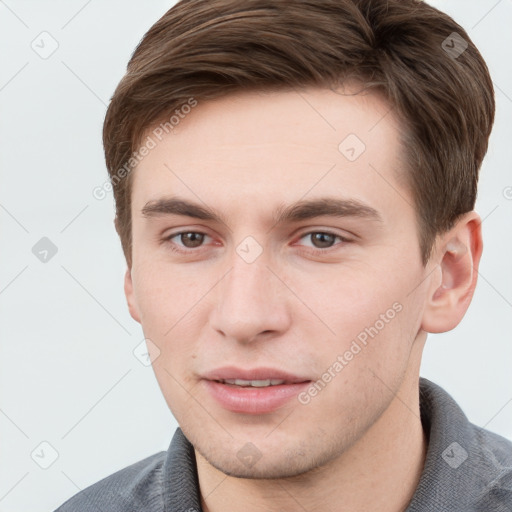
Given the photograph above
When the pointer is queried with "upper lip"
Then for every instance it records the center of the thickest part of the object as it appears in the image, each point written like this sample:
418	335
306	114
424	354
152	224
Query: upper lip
261	373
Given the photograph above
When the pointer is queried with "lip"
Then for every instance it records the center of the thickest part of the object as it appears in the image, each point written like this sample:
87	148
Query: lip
262	373
253	400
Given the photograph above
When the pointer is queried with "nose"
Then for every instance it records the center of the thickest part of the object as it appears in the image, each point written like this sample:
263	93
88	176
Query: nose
251	302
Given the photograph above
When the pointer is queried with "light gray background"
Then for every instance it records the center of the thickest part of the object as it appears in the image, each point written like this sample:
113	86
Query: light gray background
68	374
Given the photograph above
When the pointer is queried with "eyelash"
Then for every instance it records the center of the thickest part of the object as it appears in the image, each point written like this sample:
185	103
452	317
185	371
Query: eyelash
312	250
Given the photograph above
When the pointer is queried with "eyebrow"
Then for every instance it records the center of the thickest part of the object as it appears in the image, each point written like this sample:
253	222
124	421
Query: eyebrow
300	210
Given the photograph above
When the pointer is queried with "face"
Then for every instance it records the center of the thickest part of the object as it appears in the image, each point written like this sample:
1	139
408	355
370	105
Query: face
274	240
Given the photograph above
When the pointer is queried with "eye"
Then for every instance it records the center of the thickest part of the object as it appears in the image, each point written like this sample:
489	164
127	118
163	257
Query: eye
323	240
187	240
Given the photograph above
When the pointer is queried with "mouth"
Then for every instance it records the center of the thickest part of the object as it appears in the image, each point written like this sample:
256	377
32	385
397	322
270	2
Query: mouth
256	391
252	383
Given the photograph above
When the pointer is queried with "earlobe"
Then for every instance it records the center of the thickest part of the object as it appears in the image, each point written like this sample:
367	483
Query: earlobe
453	282
130	296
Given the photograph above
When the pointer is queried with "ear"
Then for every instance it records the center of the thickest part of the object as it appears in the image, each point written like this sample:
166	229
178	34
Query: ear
130	296
453	283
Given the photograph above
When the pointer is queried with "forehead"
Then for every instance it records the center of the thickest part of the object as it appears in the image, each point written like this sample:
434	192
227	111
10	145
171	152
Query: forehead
277	145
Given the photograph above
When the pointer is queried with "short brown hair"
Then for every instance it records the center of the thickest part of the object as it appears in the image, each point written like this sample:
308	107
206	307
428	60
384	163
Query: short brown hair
429	70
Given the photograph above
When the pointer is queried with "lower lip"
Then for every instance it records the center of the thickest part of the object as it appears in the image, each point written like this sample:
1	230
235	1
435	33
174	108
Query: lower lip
252	400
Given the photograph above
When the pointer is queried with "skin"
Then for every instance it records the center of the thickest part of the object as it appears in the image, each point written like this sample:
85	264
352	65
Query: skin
358	444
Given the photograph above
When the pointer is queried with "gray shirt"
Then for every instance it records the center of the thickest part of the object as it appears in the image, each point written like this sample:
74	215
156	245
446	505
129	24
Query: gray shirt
467	469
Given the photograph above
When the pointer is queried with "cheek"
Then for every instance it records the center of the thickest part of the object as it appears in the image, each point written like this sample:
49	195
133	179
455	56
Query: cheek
172	317
167	297
347	300
366	316
169	310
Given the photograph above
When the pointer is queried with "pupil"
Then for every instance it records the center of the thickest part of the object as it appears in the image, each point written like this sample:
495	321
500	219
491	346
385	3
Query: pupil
321	237
191	239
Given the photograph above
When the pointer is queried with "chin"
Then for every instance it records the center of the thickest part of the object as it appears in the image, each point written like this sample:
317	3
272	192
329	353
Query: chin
264	458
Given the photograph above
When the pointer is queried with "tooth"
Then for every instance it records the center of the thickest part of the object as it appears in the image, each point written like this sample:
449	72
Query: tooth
241	382
254	383
260	383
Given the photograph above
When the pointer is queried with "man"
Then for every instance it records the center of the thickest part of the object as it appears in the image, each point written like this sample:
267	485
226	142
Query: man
294	186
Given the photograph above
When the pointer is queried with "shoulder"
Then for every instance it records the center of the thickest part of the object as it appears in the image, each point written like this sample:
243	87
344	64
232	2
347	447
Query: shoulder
467	467
492	466
134	488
